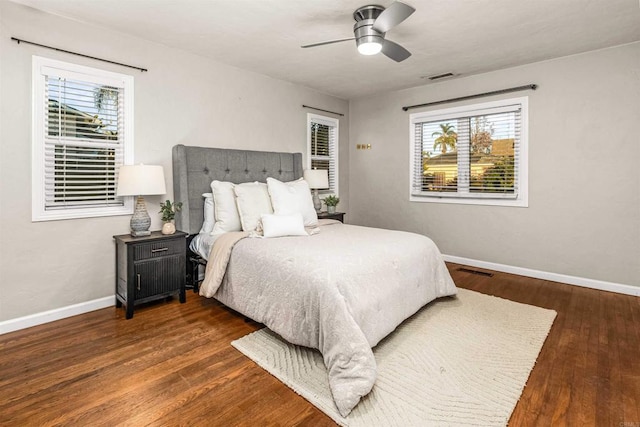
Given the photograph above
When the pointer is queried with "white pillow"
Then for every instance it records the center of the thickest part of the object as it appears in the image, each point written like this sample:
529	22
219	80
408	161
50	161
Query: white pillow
283	225
292	197
224	203
252	199
209	217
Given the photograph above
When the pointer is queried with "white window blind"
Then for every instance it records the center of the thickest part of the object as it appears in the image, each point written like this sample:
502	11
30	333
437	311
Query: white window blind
323	148
82	135
473	153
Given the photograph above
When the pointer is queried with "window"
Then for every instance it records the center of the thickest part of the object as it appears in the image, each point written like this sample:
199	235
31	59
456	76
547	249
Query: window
475	154
322	134
82	134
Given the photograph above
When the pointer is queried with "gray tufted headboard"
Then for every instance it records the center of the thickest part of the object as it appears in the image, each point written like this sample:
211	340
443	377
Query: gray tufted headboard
195	167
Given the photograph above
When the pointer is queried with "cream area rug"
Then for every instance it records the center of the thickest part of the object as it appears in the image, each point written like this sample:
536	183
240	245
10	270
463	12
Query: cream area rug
458	361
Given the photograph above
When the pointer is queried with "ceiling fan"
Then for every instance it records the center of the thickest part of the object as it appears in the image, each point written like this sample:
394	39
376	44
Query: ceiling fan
372	22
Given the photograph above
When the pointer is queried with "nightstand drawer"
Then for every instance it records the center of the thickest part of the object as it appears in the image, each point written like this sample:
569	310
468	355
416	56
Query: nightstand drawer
158	249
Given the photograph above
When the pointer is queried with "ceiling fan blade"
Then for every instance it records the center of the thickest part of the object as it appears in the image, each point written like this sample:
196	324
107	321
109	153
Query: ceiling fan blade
395	51
328	42
392	16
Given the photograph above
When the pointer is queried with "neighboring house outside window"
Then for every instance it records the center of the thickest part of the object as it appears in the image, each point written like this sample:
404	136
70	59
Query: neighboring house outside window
476	154
322	148
82	134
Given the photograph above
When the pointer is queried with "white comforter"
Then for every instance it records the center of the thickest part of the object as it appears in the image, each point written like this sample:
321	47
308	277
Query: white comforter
340	291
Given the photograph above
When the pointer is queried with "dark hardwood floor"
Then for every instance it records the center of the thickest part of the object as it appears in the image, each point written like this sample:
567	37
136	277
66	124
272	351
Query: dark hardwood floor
172	364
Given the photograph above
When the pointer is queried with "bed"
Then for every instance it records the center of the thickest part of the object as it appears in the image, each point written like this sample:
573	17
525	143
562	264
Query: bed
340	290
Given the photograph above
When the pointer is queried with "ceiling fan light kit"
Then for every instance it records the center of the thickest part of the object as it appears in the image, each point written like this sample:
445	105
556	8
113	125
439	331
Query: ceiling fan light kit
372	22
372	47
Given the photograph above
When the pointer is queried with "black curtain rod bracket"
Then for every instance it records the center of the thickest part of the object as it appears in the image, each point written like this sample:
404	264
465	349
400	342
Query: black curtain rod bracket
78	54
320	109
480	95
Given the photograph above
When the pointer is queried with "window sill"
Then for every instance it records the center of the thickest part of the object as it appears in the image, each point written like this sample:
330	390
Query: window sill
62	214
521	202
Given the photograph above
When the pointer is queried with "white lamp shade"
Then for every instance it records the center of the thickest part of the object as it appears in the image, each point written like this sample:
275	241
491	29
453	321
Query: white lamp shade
317	178
141	180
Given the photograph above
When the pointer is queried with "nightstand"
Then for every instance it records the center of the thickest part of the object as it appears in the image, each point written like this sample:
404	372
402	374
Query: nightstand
149	268
337	215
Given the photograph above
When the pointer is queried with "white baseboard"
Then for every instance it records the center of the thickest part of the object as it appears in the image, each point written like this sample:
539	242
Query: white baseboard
56	314
96	304
545	275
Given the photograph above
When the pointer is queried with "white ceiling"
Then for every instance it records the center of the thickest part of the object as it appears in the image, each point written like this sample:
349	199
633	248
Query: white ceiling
459	36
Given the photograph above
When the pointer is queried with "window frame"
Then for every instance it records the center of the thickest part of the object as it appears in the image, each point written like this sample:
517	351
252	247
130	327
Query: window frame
522	199
38	158
335	124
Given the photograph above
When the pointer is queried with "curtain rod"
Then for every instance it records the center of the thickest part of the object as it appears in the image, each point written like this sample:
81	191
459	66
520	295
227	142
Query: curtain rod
480	95
320	109
78	54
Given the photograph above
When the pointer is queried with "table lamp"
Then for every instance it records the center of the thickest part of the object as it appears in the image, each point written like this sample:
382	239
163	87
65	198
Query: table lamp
317	179
140	180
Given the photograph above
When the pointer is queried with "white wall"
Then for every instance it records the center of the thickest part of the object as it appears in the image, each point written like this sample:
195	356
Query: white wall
183	99
583	217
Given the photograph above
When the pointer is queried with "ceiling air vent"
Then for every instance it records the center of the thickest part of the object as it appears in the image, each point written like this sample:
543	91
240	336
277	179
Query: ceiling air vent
440	76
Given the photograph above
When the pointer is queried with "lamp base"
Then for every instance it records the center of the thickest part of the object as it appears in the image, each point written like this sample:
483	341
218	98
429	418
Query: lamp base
140	221
317	204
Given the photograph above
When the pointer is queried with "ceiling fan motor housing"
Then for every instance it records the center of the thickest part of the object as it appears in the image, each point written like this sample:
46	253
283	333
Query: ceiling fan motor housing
363	28
364	32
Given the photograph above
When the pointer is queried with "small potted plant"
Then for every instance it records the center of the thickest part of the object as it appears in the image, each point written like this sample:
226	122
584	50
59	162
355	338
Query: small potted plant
331	202
168	211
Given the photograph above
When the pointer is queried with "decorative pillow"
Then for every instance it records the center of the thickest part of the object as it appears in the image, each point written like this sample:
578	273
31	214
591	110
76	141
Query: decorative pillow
283	225
226	212
292	197
209	218
252	199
